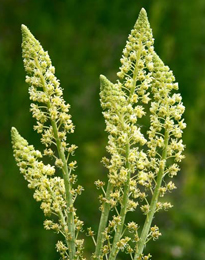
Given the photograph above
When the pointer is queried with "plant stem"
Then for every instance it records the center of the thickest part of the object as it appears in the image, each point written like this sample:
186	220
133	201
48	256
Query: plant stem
103	221
123	211
135	73
60	215
66	174
153	204
68	187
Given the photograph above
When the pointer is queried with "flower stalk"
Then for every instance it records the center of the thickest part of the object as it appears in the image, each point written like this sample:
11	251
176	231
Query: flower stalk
103	221
69	197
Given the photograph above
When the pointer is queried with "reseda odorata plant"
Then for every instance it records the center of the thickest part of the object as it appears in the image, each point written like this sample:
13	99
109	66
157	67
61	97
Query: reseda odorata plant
141	163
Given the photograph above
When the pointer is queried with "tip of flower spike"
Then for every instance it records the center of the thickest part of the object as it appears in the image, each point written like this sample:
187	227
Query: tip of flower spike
143	12
25	32
13	130
23	26
24	29
102	78
16	137
104	82
14	134
142	20
143	15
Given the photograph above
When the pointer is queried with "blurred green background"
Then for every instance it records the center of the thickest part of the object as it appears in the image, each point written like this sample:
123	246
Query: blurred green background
85	39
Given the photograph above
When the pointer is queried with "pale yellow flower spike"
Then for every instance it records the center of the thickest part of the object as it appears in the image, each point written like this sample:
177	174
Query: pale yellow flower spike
54	124
48	190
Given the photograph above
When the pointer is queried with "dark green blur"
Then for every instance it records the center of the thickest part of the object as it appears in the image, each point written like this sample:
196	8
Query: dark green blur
85	39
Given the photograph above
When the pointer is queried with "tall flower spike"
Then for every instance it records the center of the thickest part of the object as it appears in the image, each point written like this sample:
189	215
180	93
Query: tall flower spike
165	146
53	123
137	60
123	108
45	90
49	190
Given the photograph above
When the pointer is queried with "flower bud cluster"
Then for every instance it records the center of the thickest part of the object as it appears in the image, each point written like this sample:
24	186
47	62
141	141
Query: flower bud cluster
122	105
48	190
137	58
145	257
155	232
166	128
62	249
47	95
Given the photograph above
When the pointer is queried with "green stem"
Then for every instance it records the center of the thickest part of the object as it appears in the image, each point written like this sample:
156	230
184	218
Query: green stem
68	187
135	73
66	174
60	215
150	215
123	211
103	221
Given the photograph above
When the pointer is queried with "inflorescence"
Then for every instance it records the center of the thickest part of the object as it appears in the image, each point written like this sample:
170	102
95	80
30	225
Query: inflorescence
53	122
141	163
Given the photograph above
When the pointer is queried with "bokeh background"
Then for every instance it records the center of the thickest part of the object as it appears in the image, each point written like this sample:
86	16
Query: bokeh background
85	39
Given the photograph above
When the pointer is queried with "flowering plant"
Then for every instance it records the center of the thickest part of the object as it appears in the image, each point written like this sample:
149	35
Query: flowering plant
140	164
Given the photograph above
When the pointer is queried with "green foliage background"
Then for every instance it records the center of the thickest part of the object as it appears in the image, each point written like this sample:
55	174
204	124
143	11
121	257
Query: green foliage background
85	39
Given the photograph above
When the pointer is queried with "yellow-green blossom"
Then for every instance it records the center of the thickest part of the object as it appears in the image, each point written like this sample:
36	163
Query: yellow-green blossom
45	92
53	122
164	145
48	189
